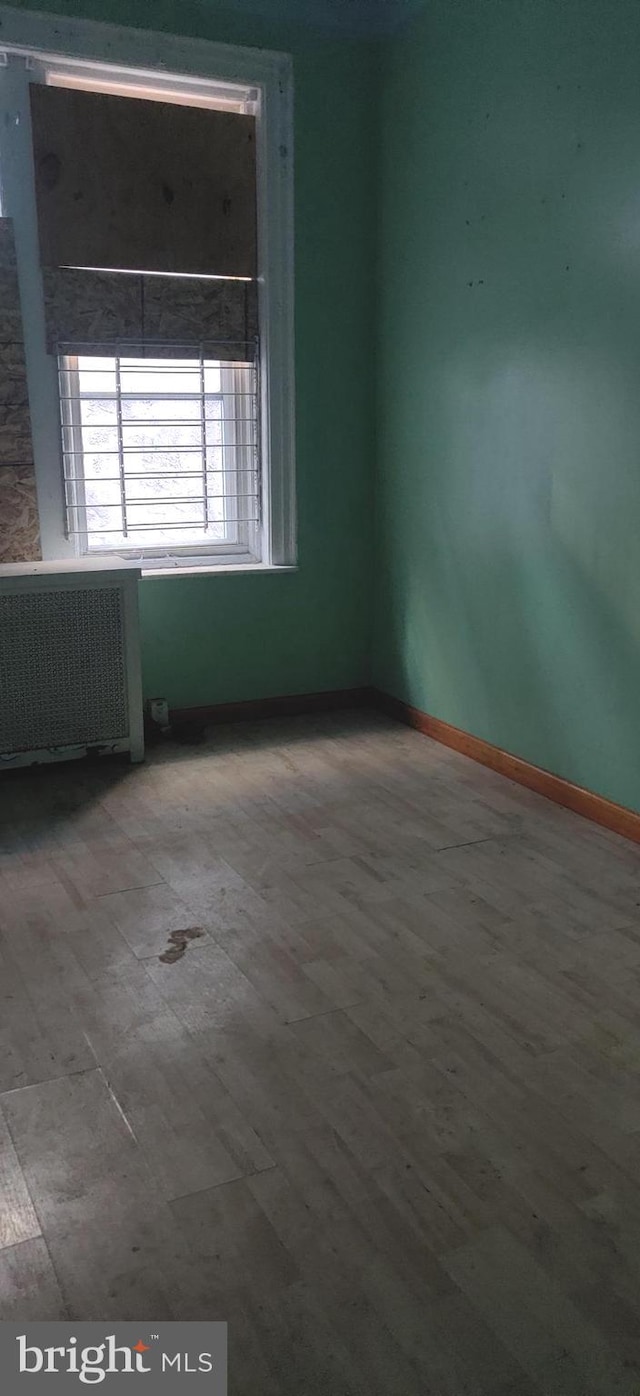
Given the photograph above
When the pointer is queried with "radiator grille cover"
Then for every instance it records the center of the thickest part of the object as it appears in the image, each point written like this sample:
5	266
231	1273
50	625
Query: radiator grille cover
62	668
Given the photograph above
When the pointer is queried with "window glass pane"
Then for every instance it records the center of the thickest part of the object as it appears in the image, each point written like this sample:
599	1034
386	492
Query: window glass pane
161	434
168	487
212	378
98	375
159	453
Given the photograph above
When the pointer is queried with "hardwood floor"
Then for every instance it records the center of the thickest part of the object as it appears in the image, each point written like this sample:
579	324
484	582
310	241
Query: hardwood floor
382	1114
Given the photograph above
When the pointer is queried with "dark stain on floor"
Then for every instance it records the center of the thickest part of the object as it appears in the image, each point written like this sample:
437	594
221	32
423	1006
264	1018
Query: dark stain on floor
178	942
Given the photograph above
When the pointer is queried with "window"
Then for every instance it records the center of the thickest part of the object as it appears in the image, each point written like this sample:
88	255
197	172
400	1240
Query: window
160	455
170	441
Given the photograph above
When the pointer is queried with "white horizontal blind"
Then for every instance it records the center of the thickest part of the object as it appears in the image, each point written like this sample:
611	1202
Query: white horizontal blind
160	454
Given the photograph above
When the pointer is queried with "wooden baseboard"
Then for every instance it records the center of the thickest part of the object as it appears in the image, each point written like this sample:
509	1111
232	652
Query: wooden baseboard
617	818
289	705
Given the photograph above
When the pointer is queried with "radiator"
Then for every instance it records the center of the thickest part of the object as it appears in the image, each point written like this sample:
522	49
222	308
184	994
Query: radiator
69	662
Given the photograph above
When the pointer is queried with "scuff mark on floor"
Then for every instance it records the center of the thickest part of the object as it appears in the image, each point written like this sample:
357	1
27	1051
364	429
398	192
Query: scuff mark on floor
178	942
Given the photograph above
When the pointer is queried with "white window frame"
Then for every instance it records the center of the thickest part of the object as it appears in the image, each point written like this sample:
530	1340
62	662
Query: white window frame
85	48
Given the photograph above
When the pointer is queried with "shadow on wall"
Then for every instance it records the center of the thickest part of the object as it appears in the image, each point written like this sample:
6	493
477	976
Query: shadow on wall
519	622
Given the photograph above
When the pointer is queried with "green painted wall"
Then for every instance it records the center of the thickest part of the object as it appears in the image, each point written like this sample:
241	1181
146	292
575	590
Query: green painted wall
503	156
508	502
219	639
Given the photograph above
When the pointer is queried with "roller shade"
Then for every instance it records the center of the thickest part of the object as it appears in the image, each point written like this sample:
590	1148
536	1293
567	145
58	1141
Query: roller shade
102	312
139	185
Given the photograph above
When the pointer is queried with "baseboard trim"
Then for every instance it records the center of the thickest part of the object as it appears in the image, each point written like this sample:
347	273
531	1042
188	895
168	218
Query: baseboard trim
617	818
287	705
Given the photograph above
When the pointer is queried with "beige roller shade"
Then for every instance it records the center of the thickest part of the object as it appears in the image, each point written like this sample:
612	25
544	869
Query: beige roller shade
139	185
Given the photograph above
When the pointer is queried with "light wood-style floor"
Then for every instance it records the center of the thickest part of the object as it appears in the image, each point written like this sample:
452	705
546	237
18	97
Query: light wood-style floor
383	1115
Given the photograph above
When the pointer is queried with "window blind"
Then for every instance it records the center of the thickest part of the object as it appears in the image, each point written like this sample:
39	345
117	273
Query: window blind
138	185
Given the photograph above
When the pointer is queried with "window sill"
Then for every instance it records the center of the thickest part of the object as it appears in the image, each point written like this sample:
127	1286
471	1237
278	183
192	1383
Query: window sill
218	570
